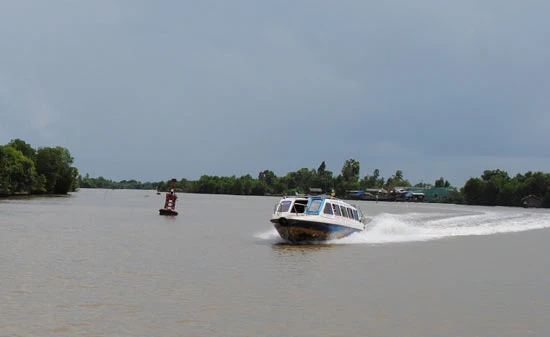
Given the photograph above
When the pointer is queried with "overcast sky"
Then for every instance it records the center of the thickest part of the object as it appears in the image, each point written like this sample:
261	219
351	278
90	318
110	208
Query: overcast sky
151	90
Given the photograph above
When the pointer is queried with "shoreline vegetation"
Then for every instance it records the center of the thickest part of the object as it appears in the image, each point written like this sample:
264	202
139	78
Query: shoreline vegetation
48	170
24	170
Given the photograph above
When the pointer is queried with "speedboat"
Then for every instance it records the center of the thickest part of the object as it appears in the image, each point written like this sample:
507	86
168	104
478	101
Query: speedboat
313	218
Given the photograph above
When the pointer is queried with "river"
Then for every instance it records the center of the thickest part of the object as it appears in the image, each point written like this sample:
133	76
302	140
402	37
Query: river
104	263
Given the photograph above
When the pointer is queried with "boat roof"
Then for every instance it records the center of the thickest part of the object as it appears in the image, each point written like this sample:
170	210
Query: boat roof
320	196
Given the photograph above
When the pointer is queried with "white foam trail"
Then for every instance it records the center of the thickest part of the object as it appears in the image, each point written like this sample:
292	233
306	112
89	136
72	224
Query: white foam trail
386	228
409	227
270	235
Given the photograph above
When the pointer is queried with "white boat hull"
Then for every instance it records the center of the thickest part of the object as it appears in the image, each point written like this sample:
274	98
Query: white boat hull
304	230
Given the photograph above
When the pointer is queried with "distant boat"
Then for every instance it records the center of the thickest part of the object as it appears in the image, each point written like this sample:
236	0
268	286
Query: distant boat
313	218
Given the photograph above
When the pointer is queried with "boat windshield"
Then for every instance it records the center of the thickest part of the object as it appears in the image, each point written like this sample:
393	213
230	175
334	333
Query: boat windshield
315	206
284	206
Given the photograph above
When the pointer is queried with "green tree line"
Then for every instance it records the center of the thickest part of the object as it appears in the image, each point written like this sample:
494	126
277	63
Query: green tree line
493	188
497	188
101	182
49	170
24	170
267	183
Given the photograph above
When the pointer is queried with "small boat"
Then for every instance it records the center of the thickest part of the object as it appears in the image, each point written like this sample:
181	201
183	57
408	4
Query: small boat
167	211
170	201
313	218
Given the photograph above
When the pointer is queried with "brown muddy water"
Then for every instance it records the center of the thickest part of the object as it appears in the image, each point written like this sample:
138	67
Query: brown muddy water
104	263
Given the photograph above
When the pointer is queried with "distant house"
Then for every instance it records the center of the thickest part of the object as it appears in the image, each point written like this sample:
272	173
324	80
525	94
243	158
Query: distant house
434	194
531	201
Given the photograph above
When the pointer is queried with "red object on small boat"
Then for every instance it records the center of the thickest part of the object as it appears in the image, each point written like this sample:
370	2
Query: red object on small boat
170	201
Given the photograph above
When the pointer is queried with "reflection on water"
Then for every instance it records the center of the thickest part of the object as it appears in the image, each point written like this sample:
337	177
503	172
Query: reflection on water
311	252
104	263
291	248
302	246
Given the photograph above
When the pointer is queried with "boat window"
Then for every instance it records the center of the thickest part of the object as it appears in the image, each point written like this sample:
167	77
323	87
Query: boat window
355	215
284	206
315	206
328	208
350	213
299	207
343	210
336	209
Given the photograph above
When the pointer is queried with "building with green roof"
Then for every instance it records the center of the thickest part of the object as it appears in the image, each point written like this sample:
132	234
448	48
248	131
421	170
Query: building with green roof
435	194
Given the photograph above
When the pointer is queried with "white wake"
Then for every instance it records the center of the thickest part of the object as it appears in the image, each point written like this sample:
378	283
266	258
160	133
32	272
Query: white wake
408	227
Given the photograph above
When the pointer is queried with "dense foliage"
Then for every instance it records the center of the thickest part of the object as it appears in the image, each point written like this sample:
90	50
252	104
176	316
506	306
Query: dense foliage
101	182
496	188
267	183
24	170
493	188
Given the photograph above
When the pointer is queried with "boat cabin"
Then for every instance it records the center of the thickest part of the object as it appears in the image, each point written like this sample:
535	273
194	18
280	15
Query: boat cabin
317	206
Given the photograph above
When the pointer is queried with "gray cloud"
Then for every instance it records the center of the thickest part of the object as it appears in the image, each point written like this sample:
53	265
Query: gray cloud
217	87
